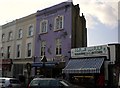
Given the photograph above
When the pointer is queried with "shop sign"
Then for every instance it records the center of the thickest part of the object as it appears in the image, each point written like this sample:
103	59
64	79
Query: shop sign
6	61
89	51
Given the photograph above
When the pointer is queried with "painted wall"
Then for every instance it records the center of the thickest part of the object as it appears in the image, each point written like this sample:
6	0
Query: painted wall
0	36
9	27
24	24
62	9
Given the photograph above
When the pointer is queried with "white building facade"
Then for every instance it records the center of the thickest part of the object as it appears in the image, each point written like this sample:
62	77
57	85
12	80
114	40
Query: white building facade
7	48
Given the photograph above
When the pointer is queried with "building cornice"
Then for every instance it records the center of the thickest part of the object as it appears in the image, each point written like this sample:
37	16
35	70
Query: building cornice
54	9
9	24
23	19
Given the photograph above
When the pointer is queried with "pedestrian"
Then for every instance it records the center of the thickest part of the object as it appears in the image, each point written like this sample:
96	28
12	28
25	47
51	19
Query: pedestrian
101	81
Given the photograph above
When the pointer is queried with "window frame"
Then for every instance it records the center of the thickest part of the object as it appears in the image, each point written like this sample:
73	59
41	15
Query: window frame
8	51
18	51
2	51
20	33
58	22
30	30
29	49
3	37
10	35
43	24
42	48
58	47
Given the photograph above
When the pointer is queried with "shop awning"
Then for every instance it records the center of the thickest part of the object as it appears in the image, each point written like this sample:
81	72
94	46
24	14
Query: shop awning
89	65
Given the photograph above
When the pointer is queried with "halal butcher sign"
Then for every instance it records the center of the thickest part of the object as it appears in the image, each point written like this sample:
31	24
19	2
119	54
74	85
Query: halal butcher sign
89	51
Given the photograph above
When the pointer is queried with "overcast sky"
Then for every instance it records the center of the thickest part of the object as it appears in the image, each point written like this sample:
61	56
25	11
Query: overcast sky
101	16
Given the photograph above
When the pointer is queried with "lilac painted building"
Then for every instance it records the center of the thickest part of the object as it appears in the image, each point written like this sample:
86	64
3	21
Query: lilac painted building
58	29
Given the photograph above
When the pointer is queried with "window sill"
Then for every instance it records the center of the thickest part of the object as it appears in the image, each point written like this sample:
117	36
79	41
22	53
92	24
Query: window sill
19	38
9	40
56	30
30	36
28	57
58	55
43	33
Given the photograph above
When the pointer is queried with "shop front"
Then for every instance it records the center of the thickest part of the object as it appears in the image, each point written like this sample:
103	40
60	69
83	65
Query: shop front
20	66
87	66
6	67
86	72
48	68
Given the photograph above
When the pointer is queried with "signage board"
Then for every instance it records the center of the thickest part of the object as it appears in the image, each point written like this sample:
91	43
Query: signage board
89	51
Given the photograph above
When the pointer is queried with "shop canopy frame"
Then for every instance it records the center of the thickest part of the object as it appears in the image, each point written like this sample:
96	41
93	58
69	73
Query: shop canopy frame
88	65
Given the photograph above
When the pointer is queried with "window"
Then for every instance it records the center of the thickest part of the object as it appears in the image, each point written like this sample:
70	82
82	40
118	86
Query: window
58	47
3	37
43	26
2	51
43	45
10	36
18	51
29	50
58	23
8	51
20	33
30	31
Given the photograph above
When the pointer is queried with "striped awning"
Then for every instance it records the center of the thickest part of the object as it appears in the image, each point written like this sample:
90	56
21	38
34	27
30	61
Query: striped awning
90	65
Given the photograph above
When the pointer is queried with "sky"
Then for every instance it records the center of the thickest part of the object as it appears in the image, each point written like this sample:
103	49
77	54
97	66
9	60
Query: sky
101	16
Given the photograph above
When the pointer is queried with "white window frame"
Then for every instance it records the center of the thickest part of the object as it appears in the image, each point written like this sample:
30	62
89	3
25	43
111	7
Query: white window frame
43	26
58	47
18	50
29	48
58	23
10	37
9	51
43	47
3	37
30	30
2	51
20	33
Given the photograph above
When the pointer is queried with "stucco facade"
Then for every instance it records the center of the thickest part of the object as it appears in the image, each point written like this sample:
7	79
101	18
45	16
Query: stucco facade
73	32
0	52
71	35
0	38
25	33
8	43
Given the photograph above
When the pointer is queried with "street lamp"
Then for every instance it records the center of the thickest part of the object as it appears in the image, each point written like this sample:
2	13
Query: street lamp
44	60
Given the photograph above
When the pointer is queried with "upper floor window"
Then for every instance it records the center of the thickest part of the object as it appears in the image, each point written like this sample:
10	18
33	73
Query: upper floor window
58	47
2	51
30	31
8	51
18	51
10	37
29	50
43	26
43	45
58	23
3	37
20	33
